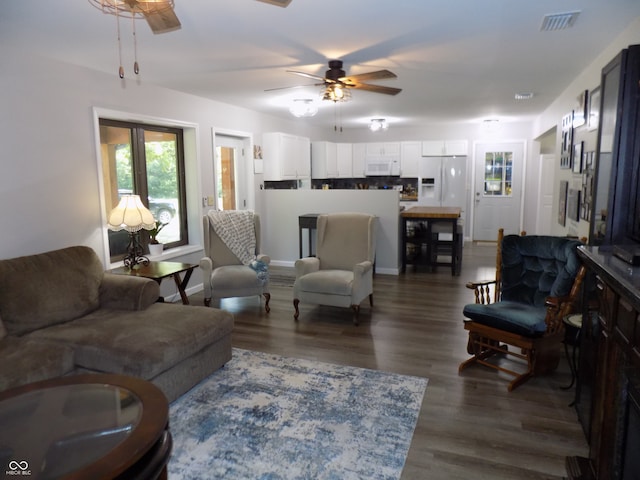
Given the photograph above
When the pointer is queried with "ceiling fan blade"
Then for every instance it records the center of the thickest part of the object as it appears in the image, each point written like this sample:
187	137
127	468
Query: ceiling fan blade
308	75
295	86
162	21
378	75
279	3
377	88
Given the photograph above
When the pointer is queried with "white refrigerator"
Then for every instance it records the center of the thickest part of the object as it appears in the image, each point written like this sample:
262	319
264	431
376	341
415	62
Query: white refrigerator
443	183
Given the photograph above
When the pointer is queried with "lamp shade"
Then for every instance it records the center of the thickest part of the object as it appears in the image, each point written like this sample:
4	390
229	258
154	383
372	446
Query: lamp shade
130	215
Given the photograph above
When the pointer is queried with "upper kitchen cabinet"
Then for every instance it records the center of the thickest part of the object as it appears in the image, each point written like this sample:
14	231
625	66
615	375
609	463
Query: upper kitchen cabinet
344	159
410	156
359	154
383	148
444	148
324	160
286	157
331	160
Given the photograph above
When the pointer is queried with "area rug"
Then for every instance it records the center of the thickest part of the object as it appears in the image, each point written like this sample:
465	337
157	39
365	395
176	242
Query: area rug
265	416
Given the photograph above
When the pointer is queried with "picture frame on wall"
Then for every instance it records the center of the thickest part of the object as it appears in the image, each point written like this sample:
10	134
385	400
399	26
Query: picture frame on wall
562	202
573	204
593	115
577	157
566	150
580	115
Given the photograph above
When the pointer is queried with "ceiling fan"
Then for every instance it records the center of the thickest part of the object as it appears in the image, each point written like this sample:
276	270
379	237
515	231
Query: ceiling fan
337	83
159	14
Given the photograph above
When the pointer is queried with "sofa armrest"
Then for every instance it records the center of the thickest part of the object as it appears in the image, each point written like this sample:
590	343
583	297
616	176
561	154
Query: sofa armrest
123	292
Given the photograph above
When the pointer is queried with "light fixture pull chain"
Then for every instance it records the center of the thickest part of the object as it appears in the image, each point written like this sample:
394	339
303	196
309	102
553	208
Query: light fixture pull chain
136	69
121	69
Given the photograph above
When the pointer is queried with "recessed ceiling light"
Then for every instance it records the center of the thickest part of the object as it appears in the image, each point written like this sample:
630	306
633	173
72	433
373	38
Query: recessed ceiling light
524	96
558	21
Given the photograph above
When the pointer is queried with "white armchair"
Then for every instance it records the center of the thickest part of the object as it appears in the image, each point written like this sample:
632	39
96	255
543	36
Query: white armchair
341	274
224	273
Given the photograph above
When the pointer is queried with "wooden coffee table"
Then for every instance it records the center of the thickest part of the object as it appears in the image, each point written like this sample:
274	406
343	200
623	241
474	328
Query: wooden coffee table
85	426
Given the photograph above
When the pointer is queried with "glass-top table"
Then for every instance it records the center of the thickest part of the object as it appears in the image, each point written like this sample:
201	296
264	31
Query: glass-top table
85	426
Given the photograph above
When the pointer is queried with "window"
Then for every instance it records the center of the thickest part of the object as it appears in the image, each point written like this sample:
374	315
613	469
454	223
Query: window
498	170
148	161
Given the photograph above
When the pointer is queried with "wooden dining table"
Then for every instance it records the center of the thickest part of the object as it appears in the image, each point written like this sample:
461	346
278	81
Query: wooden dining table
428	217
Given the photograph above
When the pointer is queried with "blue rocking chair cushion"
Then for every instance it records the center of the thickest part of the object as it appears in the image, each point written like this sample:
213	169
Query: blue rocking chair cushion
536	267
533	268
513	317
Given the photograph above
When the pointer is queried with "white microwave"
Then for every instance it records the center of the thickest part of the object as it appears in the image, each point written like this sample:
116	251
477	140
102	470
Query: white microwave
387	165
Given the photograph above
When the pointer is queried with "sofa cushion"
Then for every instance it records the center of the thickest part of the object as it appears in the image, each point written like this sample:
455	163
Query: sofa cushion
25	360
141	343
37	291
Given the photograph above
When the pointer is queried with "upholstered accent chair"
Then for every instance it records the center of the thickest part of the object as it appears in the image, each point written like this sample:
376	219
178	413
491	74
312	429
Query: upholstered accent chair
224	274
520	313
341	273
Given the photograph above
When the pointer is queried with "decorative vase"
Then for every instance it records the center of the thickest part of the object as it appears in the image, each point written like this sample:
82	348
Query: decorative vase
155	249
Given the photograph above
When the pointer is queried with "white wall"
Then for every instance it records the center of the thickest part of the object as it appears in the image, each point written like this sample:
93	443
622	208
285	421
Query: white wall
281	209
49	182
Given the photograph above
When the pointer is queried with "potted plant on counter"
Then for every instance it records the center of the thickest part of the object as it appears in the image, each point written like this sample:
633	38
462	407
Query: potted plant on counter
155	247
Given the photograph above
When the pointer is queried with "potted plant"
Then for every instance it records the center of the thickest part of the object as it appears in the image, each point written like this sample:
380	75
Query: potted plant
155	247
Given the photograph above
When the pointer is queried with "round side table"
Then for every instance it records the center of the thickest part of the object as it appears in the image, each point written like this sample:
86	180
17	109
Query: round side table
572	327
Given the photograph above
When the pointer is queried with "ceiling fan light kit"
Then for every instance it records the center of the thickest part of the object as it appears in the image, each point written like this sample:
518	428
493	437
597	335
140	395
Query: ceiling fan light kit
378	124
303	107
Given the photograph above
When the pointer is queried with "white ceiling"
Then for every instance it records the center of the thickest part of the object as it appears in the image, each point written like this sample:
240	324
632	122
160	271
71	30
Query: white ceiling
456	60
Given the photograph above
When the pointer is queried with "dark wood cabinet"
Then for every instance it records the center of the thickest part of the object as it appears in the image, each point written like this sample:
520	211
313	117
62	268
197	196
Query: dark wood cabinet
617	189
607	396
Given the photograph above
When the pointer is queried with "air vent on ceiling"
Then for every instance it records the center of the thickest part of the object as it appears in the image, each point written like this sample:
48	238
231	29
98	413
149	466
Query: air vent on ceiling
559	21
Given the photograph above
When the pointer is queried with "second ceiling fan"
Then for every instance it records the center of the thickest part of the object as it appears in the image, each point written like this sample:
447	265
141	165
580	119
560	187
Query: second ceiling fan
337	83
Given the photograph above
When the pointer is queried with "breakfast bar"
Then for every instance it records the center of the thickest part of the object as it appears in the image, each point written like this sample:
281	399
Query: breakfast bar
418	233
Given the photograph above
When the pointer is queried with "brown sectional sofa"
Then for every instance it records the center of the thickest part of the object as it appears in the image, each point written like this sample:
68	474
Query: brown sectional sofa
61	313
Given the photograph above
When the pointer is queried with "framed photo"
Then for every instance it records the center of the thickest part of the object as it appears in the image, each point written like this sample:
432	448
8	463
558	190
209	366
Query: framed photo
562	202
577	157
566	150
580	115
593	115
573	204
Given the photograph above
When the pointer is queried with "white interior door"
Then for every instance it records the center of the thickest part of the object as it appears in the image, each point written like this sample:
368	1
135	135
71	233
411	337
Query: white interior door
545	189
497	189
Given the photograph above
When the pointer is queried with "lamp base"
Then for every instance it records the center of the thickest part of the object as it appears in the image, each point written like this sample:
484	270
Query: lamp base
135	251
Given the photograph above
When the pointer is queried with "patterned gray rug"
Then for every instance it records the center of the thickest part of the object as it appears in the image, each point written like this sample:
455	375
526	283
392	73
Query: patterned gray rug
264	416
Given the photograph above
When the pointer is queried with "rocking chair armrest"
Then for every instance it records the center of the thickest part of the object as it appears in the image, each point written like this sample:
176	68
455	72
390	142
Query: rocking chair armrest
482	290
557	309
484	283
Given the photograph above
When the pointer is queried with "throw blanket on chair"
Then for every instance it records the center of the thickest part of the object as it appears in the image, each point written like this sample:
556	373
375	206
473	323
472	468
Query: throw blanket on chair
236	229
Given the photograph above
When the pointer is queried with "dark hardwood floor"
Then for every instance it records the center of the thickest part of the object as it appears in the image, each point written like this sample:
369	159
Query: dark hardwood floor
469	427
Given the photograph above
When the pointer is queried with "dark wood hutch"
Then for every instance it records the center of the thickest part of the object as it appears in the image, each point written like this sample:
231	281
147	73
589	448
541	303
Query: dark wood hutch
608	390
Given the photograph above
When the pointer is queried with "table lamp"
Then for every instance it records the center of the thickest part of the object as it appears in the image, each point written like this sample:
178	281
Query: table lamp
131	215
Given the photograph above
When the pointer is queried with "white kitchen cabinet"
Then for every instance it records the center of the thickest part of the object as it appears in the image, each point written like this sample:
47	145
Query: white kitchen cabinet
383	148
286	156
444	148
344	160
410	157
359	153
324	160
331	160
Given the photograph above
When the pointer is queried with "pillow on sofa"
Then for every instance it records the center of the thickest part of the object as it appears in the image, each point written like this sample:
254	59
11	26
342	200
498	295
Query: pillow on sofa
49	288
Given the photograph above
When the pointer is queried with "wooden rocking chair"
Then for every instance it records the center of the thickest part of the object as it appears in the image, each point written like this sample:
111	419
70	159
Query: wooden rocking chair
538	280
